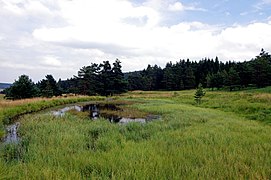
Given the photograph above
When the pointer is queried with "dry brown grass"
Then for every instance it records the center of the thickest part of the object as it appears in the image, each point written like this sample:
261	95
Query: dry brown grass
1	97
10	103
149	94
79	114
265	97
125	111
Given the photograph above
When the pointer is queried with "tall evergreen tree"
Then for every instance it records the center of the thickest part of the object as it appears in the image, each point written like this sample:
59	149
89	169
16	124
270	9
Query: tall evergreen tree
169	81
119	84
245	73
48	87
22	88
189	81
232	78
261	69
88	79
106	79
135	81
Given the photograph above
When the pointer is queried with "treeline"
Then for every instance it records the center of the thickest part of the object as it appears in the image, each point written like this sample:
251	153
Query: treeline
96	79
106	79
211	73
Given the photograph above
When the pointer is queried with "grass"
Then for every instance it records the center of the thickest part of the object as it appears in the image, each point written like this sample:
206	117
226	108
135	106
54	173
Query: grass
189	142
11	110
2	96
252	104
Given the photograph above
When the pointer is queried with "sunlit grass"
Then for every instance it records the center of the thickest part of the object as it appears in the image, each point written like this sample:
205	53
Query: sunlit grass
2	96
253	104
10	103
188	143
10	110
214	140
263	97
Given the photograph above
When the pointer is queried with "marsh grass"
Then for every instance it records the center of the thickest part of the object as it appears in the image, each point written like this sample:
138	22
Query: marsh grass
125	111
189	142
11	110
252	104
2	96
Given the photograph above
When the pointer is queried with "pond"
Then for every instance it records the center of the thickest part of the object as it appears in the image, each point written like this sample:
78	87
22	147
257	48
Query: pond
111	112
61	112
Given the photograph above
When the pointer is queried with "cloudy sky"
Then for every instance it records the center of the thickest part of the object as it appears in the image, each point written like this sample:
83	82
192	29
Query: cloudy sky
39	37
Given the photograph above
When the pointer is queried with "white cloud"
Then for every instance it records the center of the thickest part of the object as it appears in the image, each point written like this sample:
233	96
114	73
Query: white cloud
244	42
37	8
51	61
266	1
70	34
24	8
260	5
156	4
244	13
227	13
82	12
177	6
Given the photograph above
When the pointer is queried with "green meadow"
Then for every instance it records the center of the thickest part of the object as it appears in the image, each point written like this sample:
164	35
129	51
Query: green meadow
228	136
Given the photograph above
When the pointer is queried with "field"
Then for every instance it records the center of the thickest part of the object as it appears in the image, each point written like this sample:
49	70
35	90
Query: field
225	137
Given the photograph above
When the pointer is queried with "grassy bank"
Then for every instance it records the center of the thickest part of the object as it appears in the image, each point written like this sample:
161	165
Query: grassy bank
13	109
189	142
252	104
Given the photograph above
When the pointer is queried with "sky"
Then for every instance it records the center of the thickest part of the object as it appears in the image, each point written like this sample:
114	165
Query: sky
58	37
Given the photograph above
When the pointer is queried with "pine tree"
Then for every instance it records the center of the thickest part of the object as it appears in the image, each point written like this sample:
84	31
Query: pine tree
210	81
119	84
21	89
199	94
233	78
189	81
106	79
261	69
48	87
88	79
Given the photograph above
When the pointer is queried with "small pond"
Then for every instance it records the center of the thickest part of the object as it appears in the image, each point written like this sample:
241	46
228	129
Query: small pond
111	112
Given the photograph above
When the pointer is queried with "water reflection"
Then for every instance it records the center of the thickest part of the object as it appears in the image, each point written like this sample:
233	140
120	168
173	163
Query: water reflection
12	133
102	111
62	111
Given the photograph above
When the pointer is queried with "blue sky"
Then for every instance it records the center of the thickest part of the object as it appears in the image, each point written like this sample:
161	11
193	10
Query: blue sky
40	37
224	12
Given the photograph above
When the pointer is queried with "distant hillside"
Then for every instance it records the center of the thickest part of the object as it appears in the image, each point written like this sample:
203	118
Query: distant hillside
4	85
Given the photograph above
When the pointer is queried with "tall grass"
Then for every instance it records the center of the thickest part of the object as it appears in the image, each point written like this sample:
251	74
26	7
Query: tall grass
13	109
2	96
252	104
189	142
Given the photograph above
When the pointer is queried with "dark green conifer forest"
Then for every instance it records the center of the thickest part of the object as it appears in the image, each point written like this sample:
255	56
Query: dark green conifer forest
211	73
106	79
